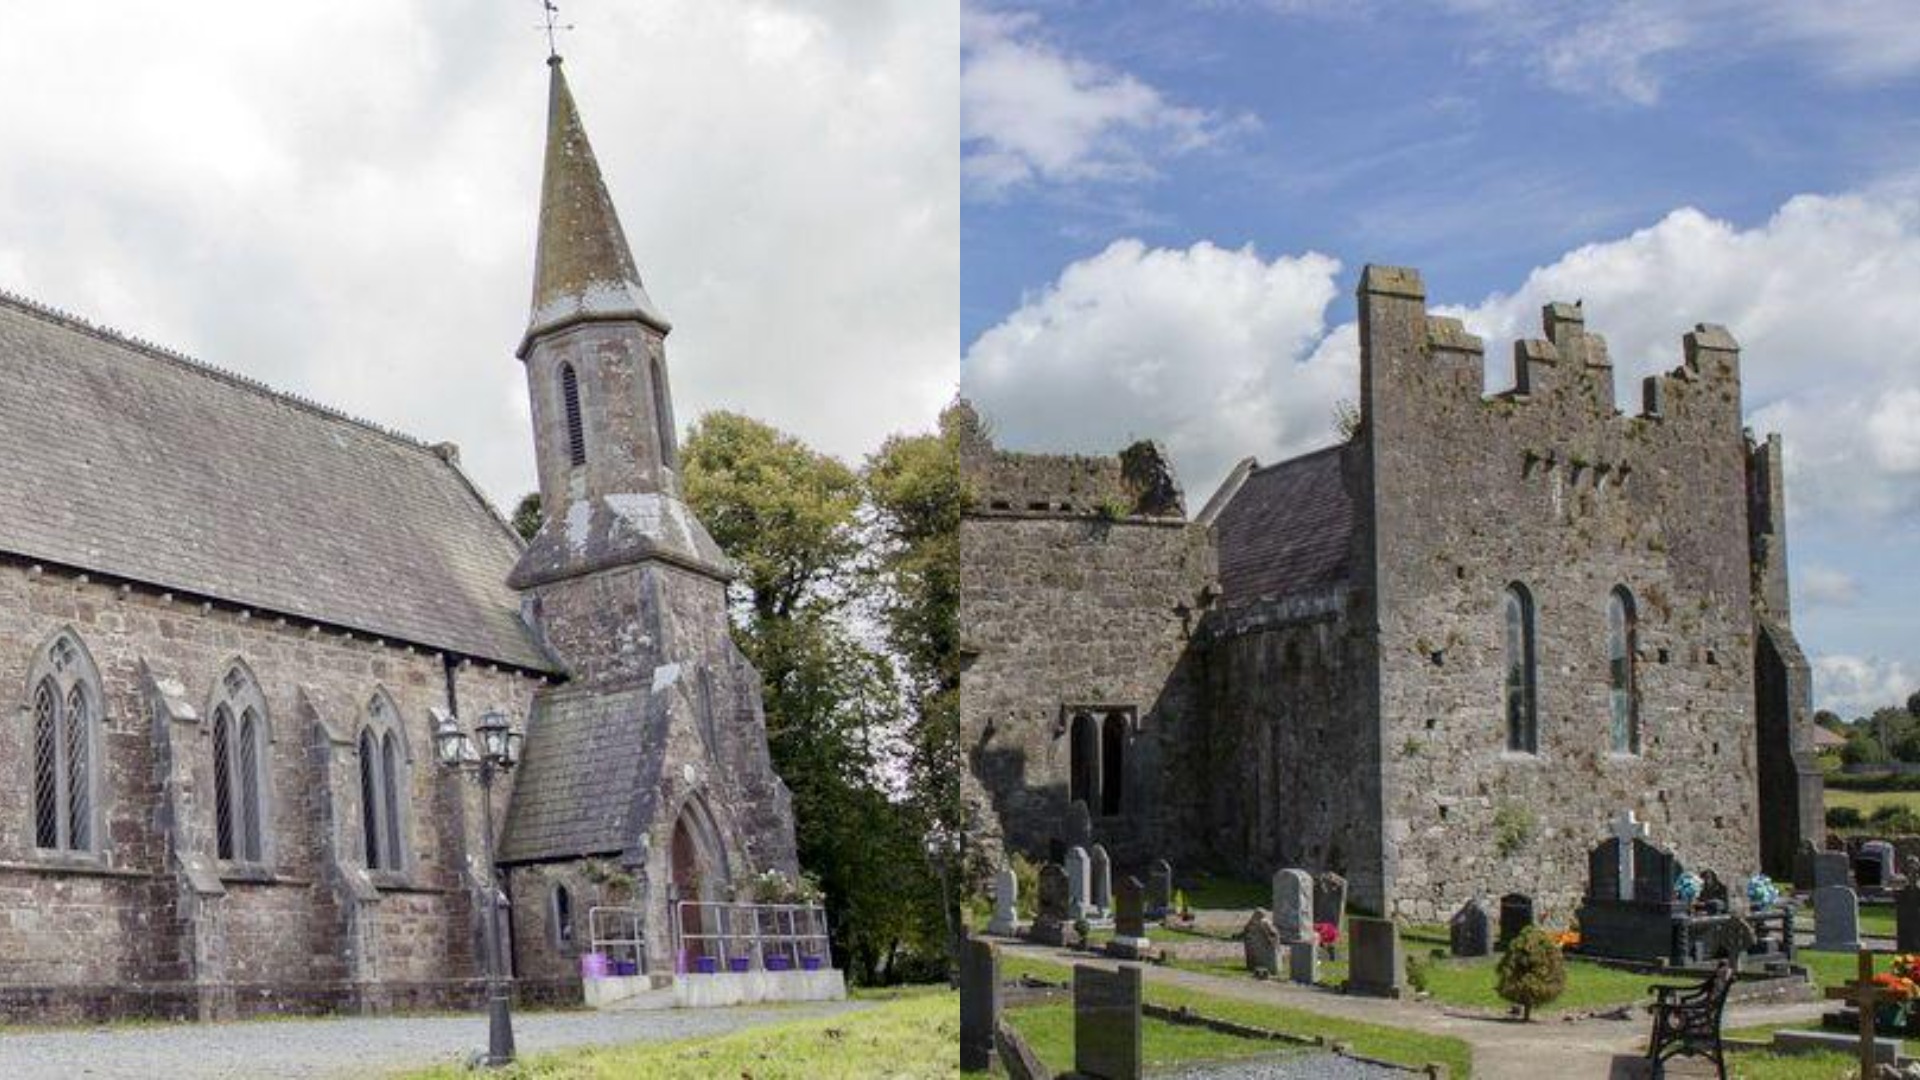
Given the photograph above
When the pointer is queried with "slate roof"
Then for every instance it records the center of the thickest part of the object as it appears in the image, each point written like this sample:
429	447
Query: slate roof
127	460
1288	530
573	795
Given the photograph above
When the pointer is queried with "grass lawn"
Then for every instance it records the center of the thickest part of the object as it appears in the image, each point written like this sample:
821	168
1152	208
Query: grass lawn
1048	1029
1221	893
1868	801
906	1036
1373	1040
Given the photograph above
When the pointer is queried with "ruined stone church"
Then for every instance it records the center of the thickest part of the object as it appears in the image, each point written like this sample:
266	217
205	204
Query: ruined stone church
230	620
1436	657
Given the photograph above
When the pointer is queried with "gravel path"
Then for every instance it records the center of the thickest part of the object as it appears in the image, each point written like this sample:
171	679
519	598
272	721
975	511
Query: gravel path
346	1046
1286	1067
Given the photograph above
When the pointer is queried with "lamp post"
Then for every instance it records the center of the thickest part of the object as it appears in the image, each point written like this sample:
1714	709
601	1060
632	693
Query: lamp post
497	751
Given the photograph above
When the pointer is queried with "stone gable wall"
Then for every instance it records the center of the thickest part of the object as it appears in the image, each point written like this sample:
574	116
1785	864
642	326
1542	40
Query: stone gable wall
1552	488
126	932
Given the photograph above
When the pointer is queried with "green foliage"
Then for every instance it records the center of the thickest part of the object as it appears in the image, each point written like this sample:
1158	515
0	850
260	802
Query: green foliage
1891	819
1513	826
1532	972
1418	968
1027	876
791	519
526	516
1845	817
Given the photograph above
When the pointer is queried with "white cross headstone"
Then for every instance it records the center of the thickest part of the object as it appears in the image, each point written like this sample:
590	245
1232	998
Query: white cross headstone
1627	829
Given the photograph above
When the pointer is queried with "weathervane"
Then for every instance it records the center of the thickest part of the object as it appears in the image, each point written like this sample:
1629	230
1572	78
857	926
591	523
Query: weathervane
553	27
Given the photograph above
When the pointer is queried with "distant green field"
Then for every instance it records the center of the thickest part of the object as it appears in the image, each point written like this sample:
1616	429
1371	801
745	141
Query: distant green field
1868	801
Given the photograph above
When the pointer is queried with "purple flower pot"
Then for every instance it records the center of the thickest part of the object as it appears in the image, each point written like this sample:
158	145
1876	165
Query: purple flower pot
706	965
779	963
739	965
593	965
810	963
626	968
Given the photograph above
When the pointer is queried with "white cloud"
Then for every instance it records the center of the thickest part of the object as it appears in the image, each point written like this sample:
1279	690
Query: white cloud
1826	586
1855	686
1031	112
1212	351
340	199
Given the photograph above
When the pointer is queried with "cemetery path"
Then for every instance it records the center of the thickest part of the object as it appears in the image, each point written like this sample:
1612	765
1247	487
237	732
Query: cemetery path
338	1047
1502	1049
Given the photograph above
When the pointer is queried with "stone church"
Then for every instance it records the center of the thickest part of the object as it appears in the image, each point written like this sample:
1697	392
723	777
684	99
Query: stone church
1436	657
231	618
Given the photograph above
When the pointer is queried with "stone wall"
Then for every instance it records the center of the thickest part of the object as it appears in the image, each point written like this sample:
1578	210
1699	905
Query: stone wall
1062	610
154	922
1549	486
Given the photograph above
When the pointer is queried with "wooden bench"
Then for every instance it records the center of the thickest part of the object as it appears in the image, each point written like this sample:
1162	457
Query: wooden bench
1686	1021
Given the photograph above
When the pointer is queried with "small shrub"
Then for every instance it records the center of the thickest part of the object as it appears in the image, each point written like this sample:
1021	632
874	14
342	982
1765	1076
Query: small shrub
1532	972
1895	819
1844	817
1027	876
1512	828
1417	969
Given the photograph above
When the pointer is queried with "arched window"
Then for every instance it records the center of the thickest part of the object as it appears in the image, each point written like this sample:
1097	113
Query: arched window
240	761
1083	779
66	700
1623	680
383	786
562	917
576	428
1113	761
1523	724
663	413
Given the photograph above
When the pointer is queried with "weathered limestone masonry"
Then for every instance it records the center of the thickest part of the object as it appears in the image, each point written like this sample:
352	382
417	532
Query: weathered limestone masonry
1341	697
649	780
1081	584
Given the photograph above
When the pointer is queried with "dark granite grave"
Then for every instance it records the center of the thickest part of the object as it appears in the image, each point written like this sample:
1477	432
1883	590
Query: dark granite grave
1130	921
1376	965
1633	911
1906	911
1050	916
979	1003
1470	931
1107	1040
1159	889
1516	914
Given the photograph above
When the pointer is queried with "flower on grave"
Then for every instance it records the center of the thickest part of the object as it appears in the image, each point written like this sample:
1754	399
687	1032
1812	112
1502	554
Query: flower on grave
1687	887
1567	939
1327	932
1762	893
1894	987
1180	905
1907	966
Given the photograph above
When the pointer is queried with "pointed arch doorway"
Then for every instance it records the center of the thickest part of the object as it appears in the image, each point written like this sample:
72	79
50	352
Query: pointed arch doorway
699	873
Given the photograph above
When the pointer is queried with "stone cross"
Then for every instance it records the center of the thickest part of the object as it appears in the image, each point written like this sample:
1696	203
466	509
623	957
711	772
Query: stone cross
1626	829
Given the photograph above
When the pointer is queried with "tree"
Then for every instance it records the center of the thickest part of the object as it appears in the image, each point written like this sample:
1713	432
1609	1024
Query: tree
836	716
1913	704
526	516
1532	972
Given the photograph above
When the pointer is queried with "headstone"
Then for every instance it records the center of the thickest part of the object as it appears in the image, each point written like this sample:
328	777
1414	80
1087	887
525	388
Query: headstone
1303	962
1906	915
1106	1023
1079	871
1875	865
1006	904
1159	888
979	1004
1470	931
1261	943
1079	825
1101	870
1056	850
1516	914
1329	897
1803	867
1836	919
1713	893
1050	917
1830	869
1293	905
1130	921
1375	964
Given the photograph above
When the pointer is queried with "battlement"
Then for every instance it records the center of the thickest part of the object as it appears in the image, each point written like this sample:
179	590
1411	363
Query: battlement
1137	482
1407	348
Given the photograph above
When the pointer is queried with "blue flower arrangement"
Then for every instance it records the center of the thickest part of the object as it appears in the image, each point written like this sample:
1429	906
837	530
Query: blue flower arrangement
1762	893
1687	886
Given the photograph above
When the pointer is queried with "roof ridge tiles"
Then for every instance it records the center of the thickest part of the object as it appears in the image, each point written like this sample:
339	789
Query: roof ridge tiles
171	355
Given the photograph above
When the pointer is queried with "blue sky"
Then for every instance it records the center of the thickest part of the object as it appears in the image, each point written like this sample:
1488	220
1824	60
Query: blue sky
1165	206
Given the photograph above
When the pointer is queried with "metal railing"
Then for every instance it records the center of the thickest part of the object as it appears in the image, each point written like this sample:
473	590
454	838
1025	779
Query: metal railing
617	933
770	937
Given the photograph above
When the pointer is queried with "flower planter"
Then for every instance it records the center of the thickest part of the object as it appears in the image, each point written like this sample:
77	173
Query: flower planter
810	963
779	963
626	969
739	965
706	965
593	965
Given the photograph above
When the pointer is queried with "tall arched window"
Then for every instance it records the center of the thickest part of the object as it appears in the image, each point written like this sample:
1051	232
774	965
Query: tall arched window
1523	724
240	761
576	428
383	786
663	413
562	917
1113	761
1083	779
1623	680
66	700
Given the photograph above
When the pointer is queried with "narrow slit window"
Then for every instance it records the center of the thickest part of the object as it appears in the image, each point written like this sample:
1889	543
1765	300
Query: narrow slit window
1113	761
390	780
1623	679
1523	728
369	803
576	427
223	782
251	809
46	766
663	414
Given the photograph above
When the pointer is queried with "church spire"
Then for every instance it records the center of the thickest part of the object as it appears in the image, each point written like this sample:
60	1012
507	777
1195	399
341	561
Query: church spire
583	269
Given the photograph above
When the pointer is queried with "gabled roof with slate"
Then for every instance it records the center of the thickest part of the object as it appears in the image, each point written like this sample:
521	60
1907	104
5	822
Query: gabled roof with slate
1288	529
127	460
573	793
